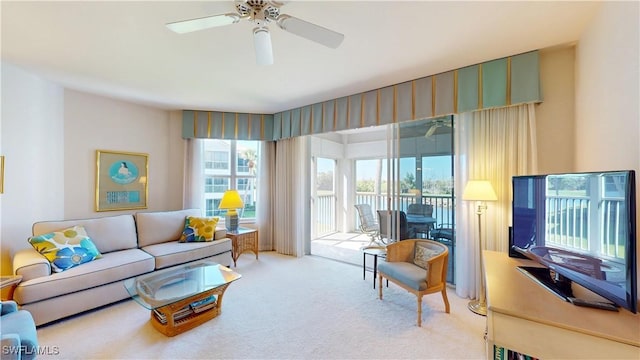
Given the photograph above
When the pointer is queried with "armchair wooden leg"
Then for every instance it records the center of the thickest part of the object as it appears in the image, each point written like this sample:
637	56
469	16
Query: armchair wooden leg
419	311
446	300
380	286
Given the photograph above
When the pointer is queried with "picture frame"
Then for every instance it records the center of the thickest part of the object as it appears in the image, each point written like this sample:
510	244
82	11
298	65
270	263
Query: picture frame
121	180
1	174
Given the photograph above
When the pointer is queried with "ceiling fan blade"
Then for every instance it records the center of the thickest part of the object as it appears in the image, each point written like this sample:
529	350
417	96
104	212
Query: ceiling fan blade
431	130
310	31
202	23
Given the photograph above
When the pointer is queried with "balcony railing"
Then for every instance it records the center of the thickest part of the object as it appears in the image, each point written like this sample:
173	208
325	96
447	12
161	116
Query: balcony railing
571	222
442	204
325	207
325	214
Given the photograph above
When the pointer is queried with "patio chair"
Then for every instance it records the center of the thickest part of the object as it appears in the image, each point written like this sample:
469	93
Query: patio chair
387	221
420	210
423	210
368	224
443	233
418	266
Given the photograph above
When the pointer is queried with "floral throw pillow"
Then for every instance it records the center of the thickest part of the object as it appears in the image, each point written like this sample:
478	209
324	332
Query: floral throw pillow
422	254
66	248
199	229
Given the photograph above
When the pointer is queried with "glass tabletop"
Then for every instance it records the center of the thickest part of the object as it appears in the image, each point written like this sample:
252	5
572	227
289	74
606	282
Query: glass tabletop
240	231
164	287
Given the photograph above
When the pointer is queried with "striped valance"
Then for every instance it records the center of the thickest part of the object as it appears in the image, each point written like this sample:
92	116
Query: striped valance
226	125
497	83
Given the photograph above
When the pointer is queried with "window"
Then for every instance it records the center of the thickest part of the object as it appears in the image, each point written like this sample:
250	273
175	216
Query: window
216	160
243	165
230	164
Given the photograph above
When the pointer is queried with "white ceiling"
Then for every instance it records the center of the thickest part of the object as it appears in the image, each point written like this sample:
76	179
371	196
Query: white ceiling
123	50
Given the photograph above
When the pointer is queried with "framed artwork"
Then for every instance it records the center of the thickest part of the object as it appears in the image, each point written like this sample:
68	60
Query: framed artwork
121	180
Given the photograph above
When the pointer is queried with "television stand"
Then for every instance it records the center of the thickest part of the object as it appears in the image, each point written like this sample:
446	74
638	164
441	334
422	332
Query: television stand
526	318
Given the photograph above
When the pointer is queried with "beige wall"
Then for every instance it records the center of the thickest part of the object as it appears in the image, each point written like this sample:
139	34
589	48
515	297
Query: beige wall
607	90
33	146
50	135
555	116
98	123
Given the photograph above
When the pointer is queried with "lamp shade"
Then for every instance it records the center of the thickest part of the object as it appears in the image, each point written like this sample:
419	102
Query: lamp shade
231	200
479	190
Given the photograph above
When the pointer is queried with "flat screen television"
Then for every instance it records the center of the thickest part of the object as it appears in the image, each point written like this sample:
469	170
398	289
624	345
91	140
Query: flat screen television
582	228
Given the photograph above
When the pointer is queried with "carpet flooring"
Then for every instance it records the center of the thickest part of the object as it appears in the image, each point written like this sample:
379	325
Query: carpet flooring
283	308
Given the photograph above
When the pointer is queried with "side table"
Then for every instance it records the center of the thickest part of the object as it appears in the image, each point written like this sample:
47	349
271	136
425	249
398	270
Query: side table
9	282
375	252
242	240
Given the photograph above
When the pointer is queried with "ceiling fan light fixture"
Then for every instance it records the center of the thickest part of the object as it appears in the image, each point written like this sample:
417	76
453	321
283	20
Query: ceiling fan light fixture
262	44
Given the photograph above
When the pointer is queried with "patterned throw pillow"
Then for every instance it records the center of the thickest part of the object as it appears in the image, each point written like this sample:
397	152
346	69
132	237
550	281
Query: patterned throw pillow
199	229
66	248
422	254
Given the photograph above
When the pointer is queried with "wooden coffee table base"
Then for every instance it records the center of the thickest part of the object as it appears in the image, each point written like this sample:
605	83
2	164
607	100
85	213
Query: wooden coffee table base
173	327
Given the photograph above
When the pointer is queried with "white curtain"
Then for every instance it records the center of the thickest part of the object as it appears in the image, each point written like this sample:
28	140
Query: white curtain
266	195
491	145
193	193
291	207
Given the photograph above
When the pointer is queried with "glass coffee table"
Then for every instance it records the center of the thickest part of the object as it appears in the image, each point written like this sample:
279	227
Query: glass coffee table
182	297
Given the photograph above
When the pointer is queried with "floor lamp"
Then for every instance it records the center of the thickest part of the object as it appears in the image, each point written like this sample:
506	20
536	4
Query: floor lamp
480	191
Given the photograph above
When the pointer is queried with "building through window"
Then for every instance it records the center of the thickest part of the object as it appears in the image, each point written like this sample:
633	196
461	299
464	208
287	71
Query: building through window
230	164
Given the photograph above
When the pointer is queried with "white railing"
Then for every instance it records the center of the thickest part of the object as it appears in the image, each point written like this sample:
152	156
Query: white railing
569	224
325	207
325	214
442	205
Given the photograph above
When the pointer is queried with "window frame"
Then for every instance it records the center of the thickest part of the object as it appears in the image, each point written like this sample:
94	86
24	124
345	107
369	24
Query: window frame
229	178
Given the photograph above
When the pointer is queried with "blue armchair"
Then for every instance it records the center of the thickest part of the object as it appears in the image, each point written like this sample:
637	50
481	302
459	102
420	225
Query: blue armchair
18	332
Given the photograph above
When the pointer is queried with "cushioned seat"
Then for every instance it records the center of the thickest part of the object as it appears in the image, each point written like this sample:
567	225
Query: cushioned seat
418	266
173	253
18	332
112	267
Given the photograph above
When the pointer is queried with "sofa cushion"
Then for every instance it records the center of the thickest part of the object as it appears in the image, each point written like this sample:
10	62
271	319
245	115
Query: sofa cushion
161	226
111	233
113	266
66	248
198	229
406	273
173	253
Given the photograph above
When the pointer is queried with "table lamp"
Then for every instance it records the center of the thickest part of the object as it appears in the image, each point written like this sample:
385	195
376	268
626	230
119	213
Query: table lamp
480	191
231	201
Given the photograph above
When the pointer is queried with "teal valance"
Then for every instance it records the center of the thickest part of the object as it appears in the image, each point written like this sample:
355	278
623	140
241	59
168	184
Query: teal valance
497	83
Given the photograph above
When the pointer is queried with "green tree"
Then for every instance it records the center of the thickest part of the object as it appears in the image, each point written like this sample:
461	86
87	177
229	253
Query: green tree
324	181
409	182
365	186
251	158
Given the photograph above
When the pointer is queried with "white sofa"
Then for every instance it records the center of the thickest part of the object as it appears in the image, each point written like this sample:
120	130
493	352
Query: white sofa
130	245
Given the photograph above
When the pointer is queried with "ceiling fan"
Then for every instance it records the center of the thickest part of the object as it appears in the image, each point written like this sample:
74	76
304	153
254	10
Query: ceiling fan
435	124
261	13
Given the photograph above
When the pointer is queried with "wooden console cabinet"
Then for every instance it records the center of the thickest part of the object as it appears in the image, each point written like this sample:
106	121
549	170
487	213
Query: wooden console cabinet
525	317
